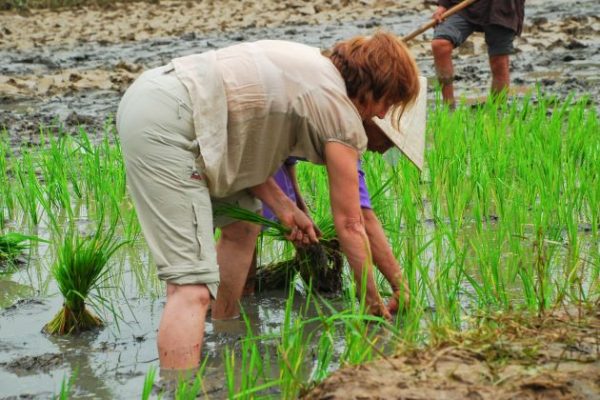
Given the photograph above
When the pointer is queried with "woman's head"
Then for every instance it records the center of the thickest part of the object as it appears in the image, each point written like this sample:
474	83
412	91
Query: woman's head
379	72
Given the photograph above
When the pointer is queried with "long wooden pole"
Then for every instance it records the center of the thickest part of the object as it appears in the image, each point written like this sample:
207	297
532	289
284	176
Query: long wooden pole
433	22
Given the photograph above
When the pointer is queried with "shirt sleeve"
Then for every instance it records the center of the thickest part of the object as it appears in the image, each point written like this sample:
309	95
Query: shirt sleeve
333	118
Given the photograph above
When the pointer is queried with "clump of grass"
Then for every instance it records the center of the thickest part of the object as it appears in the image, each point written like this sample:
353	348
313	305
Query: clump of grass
13	244
80	270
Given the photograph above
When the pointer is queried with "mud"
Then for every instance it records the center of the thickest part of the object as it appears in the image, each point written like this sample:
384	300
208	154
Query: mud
68	68
34	364
554	357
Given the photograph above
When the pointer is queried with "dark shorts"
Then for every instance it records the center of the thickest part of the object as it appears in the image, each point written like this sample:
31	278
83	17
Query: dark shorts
457	29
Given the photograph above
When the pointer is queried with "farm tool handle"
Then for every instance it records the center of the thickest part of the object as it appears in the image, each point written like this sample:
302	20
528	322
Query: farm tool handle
433	22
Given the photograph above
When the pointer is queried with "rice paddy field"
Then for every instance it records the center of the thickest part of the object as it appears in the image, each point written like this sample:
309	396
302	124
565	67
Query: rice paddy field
498	236
504	221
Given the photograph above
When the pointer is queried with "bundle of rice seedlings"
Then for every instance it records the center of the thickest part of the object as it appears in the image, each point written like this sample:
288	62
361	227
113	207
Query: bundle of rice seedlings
319	264
275	276
80	270
242	214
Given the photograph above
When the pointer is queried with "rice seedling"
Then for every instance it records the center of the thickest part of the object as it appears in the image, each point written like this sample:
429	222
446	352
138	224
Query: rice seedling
66	386
148	383
292	352
504	219
80	272
319	264
13	244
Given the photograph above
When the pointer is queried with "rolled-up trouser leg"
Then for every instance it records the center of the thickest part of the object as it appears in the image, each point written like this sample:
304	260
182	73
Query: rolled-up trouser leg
172	200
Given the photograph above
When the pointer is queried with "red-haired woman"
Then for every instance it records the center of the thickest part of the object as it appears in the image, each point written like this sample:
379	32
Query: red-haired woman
214	127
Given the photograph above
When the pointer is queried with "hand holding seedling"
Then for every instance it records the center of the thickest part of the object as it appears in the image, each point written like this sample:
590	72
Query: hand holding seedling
302	227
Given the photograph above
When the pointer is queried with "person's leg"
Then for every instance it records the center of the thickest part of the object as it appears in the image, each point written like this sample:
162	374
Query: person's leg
250	285
181	328
499	65
500	45
173	207
451	33
235	250
442	57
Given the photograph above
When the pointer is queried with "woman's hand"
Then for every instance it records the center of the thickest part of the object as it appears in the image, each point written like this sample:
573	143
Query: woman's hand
303	230
400	300
377	308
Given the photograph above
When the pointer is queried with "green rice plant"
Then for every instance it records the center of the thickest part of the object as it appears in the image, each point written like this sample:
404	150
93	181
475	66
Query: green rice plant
103	173
320	263
251	375
80	272
55	165
66	386
361	330
28	195
148	383
12	244
7	199
242	214
187	390
292	351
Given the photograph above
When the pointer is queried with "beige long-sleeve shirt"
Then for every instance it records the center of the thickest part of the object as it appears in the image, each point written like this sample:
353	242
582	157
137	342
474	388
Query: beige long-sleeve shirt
255	104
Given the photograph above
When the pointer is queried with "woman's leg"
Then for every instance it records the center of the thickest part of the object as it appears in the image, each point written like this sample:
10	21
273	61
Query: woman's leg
235	250
181	328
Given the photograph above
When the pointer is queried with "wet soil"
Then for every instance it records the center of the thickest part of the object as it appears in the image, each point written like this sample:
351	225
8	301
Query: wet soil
552	357
70	67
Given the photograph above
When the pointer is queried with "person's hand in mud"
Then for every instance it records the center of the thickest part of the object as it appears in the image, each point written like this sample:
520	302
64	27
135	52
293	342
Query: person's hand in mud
377	308
400	300
437	15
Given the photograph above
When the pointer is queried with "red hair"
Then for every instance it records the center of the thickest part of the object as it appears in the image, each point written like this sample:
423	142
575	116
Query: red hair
377	67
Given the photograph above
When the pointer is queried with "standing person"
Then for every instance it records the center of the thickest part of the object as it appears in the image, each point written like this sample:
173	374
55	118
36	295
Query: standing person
216	126
500	20
383	256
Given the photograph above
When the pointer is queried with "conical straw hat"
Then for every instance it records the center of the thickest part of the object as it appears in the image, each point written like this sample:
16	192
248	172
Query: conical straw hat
410	139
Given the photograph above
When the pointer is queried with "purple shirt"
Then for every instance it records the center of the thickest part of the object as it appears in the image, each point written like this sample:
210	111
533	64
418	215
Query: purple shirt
284	180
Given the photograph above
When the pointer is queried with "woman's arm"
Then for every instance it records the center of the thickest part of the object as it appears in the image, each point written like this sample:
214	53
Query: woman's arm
347	216
291	168
385	261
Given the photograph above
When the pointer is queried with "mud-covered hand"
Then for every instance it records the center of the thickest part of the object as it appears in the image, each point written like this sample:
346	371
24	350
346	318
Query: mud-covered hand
437	15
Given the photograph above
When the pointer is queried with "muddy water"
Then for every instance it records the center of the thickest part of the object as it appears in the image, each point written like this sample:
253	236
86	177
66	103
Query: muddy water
81	82
111	363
